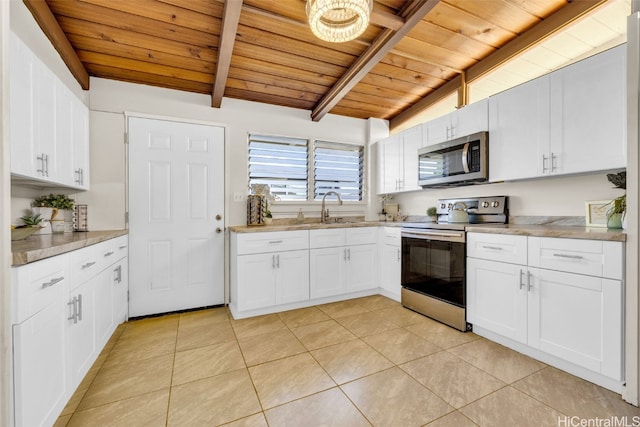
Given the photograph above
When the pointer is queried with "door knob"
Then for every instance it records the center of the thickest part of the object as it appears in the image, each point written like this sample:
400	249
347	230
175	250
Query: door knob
218	230
218	217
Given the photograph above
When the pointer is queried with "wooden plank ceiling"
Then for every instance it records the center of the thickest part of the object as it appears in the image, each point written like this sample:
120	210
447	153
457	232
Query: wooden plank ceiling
412	54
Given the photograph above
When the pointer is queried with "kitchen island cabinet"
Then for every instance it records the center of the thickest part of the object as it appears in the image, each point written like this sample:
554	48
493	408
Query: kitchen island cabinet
558	300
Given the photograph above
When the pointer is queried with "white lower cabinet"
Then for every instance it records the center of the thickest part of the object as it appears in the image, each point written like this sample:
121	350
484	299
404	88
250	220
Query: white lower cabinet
546	302
272	278
342	265
81	334
281	270
390	261
268	269
63	312
39	348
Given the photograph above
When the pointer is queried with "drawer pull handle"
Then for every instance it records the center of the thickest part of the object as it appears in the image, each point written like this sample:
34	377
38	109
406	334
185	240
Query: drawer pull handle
108	254
273	242
495	248
568	256
123	247
52	282
87	265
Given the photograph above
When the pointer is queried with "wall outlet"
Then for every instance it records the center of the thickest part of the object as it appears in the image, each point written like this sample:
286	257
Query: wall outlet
239	196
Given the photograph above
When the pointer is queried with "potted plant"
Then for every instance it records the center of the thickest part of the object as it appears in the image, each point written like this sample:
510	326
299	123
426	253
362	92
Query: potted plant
31	225
55	207
268	218
618	207
432	213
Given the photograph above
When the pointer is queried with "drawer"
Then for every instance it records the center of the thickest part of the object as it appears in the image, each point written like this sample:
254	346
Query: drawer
271	241
497	247
390	236
589	257
327	238
36	286
361	236
114	249
87	263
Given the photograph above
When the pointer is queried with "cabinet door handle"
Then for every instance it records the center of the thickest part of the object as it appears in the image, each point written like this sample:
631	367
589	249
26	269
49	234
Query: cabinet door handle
553	162
568	256
398	254
75	310
544	164
521	279
46	163
87	265
42	169
273	261
108	254
118	273
529	285
349	254
273	242
344	254
79	306
52	282
79	180
495	248
278	261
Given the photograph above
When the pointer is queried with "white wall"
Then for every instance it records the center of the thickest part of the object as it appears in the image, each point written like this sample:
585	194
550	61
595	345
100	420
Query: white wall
111	99
563	196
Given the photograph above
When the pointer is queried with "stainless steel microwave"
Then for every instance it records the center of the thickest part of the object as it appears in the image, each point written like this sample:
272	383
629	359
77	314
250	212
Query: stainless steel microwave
457	162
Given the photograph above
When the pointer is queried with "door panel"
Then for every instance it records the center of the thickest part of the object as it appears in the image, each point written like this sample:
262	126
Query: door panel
176	190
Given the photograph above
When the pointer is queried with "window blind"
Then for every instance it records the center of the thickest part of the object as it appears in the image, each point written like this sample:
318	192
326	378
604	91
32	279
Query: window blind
280	162
338	167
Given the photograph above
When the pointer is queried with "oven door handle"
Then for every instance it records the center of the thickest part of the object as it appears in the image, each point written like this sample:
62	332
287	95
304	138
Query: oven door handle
436	235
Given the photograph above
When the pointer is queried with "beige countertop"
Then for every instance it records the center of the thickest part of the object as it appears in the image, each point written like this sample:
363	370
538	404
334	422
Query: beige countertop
569	232
307	226
42	246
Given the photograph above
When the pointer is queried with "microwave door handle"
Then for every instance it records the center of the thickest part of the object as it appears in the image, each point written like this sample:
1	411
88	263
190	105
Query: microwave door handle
465	158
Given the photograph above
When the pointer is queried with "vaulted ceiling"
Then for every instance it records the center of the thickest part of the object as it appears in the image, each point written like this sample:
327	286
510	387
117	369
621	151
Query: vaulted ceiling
413	53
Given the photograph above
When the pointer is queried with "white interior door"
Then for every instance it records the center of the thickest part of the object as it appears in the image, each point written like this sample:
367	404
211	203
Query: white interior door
176	202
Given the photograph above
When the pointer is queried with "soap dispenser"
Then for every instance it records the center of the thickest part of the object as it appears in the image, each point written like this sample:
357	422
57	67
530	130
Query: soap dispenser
300	217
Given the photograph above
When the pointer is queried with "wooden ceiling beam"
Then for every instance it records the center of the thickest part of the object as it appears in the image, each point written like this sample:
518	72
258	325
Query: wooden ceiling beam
385	19
228	29
47	22
413	14
553	24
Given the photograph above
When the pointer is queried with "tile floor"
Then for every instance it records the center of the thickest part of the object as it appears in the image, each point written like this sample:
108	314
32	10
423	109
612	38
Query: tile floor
361	362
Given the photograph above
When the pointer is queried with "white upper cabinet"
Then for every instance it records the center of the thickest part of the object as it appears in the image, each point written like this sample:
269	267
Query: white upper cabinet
588	114
49	124
464	121
570	121
22	104
519	131
398	161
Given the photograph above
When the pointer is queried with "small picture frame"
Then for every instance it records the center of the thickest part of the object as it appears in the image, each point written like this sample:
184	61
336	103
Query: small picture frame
596	213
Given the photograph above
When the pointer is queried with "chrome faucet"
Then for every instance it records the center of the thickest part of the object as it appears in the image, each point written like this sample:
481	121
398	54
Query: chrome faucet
324	213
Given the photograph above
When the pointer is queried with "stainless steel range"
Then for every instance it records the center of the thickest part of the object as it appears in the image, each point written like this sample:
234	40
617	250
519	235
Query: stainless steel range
434	257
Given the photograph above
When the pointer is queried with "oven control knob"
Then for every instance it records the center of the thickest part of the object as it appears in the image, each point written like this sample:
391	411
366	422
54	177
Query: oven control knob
485	204
495	204
450	205
443	205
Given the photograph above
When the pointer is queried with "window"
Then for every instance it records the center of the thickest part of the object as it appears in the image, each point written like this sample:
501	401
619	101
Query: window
337	167
283	164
